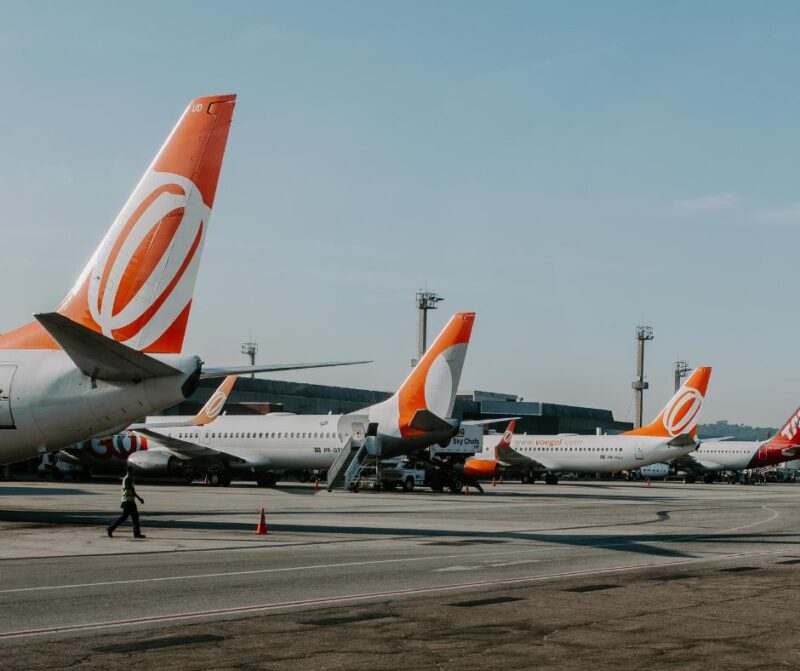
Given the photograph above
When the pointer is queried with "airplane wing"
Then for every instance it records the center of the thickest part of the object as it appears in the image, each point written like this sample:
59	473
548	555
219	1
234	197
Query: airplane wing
691	464
509	457
208	372
184	449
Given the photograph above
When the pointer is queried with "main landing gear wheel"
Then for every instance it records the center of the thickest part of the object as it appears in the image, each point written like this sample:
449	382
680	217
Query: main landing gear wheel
266	480
551	479
217	477
456	486
408	484
708	479
689	480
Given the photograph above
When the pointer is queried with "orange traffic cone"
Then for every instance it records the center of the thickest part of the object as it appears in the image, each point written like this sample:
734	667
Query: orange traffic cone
261	529
316	484
205	480
647	482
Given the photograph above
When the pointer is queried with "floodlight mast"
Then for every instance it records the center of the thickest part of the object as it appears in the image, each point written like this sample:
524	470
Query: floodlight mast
682	369
643	333
250	349
426	300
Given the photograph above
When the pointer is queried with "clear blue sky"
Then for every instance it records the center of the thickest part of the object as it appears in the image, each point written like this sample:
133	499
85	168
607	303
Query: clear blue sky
566	169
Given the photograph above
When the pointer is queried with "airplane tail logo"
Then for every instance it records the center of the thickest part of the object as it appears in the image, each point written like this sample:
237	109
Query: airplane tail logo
137	288
214	405
505	441
681	414
789	435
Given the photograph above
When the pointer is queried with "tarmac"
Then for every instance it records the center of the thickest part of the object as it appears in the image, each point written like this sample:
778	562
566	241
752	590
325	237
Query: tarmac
581	574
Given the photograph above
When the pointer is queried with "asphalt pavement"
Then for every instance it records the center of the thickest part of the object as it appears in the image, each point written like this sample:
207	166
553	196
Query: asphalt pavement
607	574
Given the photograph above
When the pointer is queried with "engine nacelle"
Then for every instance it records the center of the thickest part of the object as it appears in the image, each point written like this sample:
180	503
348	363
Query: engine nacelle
153	463
480	469
655	471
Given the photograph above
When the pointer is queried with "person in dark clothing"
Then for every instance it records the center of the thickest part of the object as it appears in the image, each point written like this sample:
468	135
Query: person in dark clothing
128	506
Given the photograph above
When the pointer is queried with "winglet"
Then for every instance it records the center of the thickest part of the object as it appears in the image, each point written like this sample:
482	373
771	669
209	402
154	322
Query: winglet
214	405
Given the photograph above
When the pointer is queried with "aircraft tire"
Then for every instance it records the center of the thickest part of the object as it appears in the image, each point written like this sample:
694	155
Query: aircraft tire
408	484
551	479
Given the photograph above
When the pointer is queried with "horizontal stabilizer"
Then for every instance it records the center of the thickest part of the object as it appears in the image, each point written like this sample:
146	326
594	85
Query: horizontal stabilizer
99	356
482	422
683	440
425	420
272	368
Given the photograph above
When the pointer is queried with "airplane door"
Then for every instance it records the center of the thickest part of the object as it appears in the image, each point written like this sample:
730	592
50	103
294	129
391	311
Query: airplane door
6	376
358	431
639	452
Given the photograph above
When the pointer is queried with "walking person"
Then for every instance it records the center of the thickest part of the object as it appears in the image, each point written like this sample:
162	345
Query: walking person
128	506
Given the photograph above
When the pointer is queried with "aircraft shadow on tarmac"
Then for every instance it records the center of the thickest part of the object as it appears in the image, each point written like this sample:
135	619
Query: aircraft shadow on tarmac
16	490
639	543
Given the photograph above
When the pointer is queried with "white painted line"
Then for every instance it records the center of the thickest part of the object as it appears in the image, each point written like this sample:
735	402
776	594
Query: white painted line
348	598
550	546
285	569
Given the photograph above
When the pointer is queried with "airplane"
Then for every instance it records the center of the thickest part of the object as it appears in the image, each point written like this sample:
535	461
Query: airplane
265	446
110	353
109	455
736	455
670	435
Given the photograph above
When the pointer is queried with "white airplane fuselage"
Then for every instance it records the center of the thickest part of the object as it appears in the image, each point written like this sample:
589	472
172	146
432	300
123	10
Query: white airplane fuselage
277	441
728	455
589	454
47	403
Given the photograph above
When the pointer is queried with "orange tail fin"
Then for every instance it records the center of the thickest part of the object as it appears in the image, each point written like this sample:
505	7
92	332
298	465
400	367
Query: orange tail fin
433	383
681	414
137	288
505	441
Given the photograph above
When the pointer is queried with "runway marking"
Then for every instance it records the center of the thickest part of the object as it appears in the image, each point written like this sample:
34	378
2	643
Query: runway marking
549	546
313	567
349	598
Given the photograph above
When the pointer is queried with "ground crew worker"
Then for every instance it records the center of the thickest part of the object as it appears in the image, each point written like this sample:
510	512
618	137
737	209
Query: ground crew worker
128	506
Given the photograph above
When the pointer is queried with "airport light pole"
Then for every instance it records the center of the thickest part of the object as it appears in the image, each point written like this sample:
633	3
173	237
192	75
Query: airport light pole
643	333
426	300
250	349
681	371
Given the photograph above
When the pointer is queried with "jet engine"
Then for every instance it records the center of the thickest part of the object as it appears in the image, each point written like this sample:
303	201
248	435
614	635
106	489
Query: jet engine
153	464
655	471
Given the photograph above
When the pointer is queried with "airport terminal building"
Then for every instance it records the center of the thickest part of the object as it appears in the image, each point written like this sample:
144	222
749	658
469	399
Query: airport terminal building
256	395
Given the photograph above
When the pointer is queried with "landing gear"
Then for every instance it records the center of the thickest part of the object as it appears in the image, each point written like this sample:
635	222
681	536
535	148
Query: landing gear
708	478
456	485
218	476
528	478
408	484
435	480
551	479
266	479
689	479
